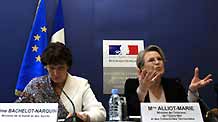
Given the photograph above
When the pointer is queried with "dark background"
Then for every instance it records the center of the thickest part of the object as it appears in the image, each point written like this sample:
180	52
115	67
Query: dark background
187	30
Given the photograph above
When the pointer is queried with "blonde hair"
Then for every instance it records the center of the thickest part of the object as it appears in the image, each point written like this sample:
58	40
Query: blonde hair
141	54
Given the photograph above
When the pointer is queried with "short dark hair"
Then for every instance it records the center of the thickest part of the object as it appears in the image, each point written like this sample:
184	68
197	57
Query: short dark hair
141	54
55	54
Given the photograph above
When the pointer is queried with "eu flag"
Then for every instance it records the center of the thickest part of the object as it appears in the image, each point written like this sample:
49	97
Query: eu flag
31	65
58	34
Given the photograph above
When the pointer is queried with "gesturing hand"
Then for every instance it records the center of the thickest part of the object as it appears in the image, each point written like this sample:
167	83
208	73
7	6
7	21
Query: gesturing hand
197	83
148	78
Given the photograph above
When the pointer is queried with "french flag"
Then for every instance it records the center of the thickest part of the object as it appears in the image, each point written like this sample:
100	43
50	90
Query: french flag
58	34
123	50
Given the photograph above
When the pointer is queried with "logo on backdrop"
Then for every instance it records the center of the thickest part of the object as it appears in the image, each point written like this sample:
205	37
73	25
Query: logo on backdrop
119	62
123	49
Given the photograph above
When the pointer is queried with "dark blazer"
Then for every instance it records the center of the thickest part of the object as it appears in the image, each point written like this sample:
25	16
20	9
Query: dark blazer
173	89
174	92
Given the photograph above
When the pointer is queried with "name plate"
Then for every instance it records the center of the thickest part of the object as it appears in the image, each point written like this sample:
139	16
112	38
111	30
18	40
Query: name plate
28	112
171	112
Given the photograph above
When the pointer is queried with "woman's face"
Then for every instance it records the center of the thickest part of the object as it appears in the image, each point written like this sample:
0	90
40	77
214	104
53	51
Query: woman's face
153	61
58	73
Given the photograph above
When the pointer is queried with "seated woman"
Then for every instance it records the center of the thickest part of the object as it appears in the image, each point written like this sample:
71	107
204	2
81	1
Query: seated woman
150	86
51	88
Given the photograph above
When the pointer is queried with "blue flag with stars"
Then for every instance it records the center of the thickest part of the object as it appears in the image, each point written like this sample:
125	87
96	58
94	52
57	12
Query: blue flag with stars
31	65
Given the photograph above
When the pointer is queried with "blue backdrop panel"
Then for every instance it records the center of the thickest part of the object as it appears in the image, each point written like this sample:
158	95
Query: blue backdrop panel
185	29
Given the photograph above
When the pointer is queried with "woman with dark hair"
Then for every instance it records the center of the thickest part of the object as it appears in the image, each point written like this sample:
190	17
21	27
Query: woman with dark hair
57	59
150	86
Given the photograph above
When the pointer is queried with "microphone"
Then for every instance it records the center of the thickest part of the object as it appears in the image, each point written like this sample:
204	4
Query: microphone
74	117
